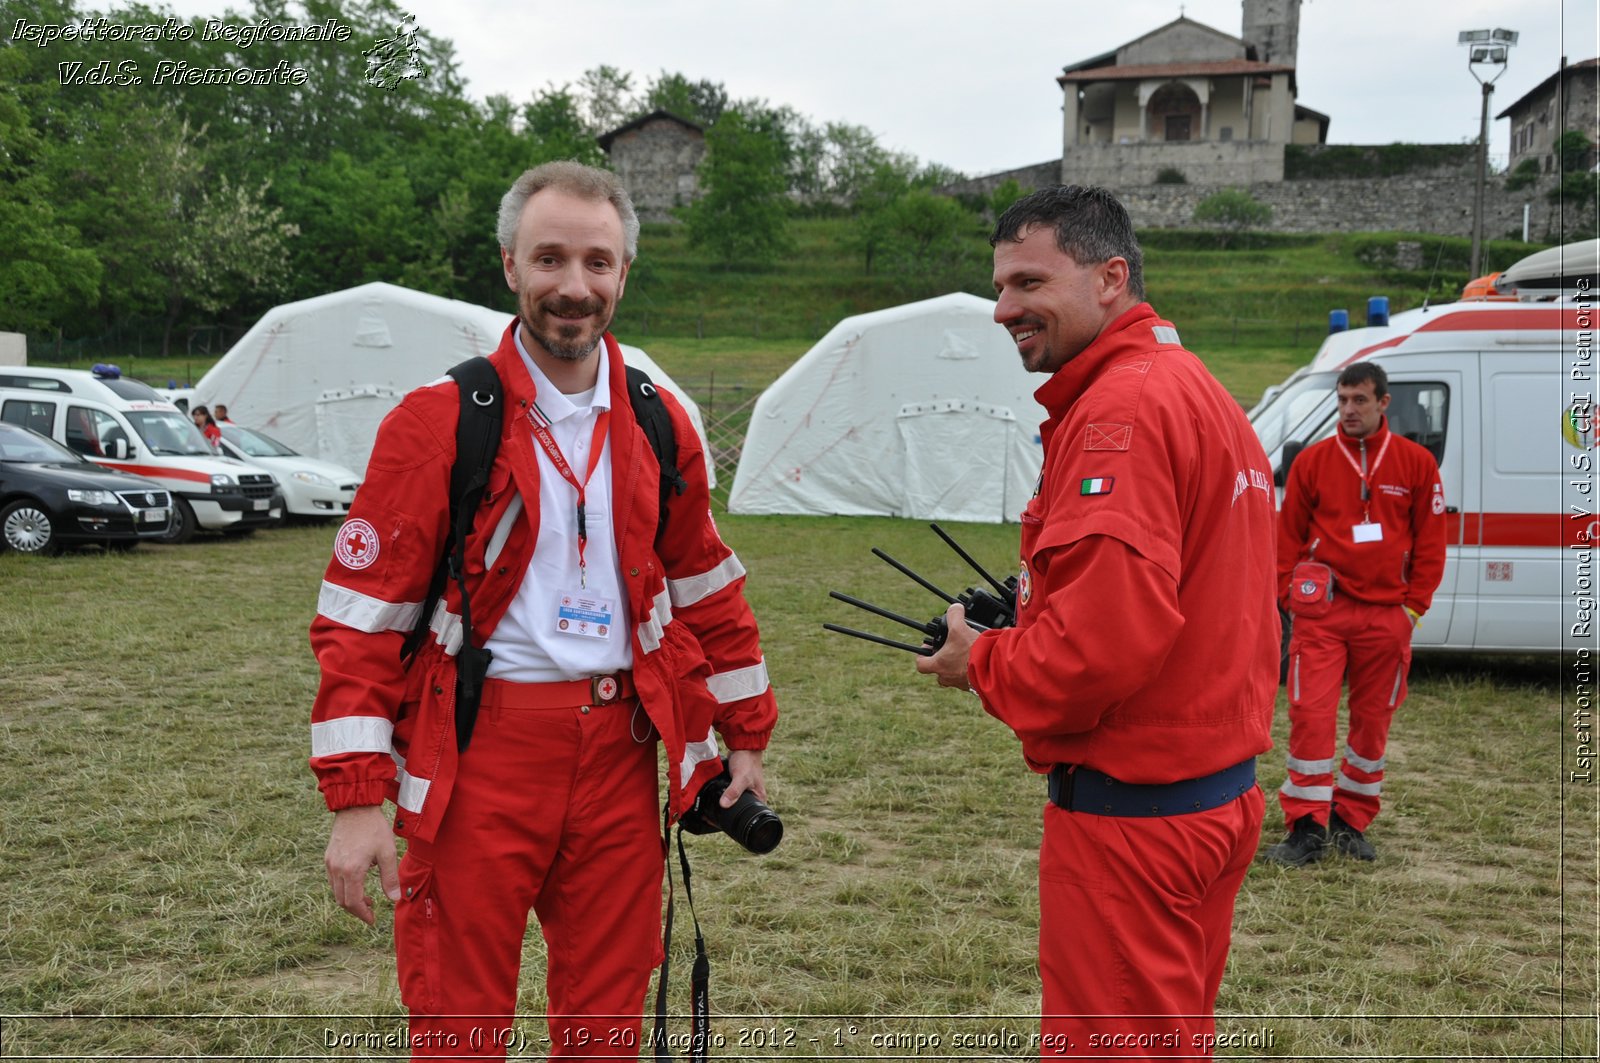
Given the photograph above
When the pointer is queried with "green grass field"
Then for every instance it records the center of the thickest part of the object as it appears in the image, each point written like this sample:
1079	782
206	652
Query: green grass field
161	839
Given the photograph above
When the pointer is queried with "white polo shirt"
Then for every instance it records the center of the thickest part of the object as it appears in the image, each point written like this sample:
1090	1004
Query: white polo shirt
538	639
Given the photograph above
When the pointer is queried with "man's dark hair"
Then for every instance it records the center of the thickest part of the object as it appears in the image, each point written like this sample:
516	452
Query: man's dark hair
1360	372
1091	227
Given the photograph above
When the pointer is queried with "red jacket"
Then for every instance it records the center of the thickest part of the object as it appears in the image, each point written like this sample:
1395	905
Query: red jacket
380	730
1146	643
1322	504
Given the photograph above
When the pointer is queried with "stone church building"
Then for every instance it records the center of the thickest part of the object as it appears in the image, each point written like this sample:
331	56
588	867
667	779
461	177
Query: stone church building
1185	97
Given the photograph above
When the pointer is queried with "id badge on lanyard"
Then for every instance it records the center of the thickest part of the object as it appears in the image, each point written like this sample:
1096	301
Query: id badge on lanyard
1366	531
541	433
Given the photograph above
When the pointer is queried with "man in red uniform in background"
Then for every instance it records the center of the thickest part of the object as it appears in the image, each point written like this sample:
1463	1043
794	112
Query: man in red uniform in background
1369	505
1142	669
607	635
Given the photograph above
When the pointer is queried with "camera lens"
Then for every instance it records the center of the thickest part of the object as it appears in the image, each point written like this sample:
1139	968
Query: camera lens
752	824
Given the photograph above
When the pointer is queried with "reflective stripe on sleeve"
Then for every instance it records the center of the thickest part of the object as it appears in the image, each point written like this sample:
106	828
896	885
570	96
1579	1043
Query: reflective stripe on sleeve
364	613
446	628
1311	767
351	734
1306	793
1371	789
691	589
740	683
655	625
413	791
1358	761
695	754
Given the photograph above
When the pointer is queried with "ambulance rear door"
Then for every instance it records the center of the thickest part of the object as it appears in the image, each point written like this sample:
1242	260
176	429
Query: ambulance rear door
1516	553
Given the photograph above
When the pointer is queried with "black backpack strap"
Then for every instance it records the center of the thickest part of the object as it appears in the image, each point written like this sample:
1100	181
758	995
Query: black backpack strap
651	412
477	442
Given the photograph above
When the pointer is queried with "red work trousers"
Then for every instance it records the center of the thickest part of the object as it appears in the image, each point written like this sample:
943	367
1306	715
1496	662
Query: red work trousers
554	810
1135	919
1371	646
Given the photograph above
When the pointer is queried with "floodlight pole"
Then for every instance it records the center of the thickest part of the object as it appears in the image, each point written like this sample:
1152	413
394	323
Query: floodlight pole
1483	176
1489	47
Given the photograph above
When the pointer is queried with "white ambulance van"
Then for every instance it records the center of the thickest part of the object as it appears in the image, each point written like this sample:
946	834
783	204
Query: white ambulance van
1501	390
123	424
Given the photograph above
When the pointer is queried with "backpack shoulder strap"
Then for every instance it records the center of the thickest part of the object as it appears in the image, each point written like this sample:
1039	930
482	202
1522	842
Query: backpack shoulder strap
477	442
651	412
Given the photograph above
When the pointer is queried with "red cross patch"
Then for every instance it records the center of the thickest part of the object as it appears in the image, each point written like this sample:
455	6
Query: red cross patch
356	545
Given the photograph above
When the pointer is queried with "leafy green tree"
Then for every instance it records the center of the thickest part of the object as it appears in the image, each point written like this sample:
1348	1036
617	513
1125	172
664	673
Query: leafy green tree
742	214
1572	150
933	244
46	273
701	102
1008	192
605	99
873	206
1230	212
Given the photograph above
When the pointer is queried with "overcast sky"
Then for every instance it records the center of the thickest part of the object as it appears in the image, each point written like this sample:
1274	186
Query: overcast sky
972	85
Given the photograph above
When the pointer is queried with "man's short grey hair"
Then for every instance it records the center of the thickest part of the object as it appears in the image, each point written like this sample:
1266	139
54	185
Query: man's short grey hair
575	179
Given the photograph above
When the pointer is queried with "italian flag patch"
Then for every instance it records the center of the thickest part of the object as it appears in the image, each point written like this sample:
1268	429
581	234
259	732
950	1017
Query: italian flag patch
1100	485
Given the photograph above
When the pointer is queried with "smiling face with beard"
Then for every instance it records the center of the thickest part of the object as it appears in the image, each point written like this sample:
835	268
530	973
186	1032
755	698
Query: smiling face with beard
569	270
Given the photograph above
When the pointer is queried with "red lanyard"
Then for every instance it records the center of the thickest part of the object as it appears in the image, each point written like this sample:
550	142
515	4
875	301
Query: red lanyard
541	432
1366	492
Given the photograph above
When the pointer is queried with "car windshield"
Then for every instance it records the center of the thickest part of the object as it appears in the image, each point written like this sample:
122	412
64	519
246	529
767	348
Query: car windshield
1290	409
169	432
19	444
254	444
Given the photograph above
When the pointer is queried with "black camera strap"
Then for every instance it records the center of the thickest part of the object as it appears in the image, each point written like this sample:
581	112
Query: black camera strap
699	976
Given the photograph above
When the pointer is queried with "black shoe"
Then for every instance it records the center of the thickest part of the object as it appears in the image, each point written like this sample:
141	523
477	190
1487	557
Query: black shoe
1348	840
1306	843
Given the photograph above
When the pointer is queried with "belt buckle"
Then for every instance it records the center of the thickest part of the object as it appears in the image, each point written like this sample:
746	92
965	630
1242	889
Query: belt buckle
604	689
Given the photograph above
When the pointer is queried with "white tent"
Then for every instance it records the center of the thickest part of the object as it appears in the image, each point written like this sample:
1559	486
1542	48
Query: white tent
320	374
922	410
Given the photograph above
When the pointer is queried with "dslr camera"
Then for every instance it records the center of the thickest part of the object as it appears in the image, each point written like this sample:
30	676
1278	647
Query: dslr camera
749	822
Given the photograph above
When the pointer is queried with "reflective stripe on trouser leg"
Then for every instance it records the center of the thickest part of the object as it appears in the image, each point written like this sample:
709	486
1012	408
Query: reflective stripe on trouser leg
1316	662
1135	918
1380	657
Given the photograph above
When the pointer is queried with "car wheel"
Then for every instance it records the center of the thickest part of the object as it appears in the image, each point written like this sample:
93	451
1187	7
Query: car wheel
26	528
181	530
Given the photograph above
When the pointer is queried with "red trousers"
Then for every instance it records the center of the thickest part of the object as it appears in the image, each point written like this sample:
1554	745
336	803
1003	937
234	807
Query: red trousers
1371	646
1135	919
554	811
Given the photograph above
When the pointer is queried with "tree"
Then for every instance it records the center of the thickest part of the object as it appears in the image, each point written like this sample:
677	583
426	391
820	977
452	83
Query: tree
605	98
931	244
45	273
1572	151
742	214
1002	197
701	102
1230	212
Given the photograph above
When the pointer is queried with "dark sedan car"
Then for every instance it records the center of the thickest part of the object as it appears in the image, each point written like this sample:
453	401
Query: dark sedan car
50	497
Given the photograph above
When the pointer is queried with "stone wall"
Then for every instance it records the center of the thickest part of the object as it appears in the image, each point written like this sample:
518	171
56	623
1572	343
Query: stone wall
1200	161
1436	201
1439	203
657	164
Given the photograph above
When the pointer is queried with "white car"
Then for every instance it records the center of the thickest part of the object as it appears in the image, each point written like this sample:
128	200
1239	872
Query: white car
313	488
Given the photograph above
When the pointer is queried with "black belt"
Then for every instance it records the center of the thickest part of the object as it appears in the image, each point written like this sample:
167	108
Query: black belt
1079	789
